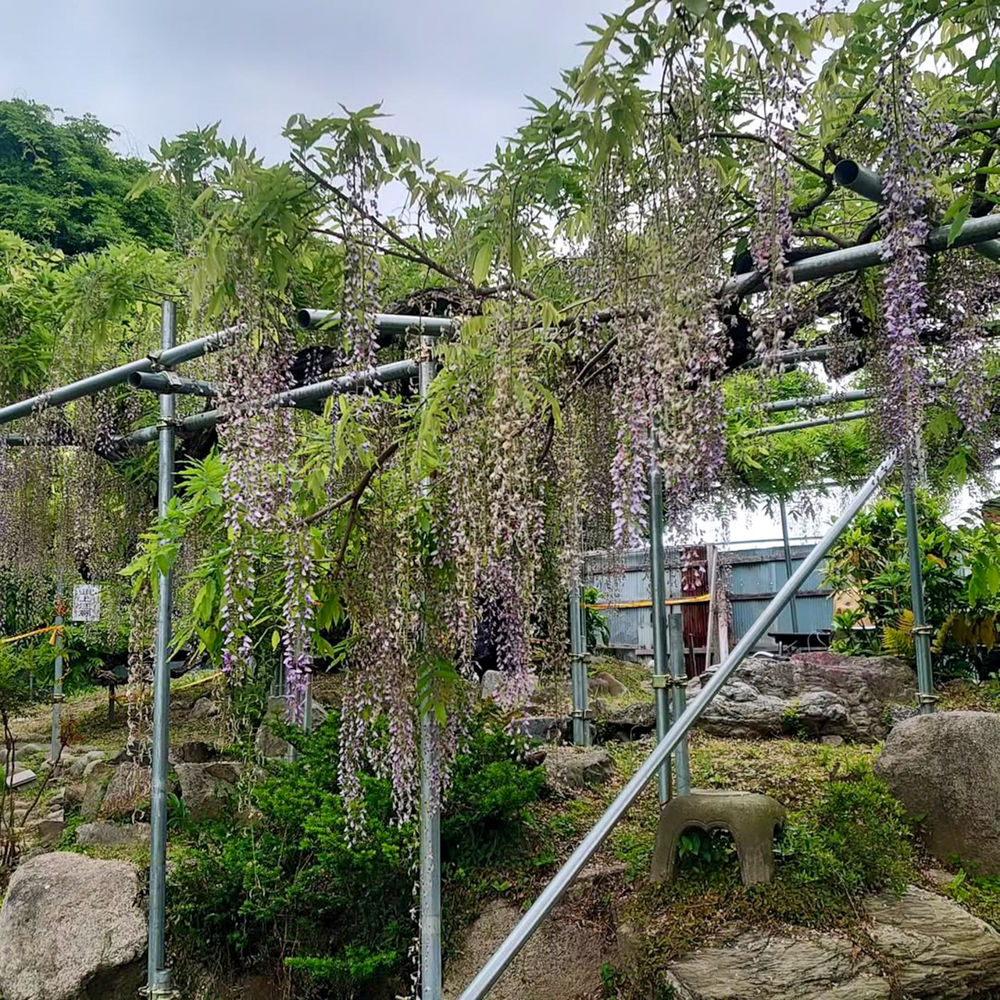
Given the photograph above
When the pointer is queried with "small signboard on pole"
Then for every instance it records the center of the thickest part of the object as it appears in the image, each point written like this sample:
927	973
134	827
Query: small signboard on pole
86	603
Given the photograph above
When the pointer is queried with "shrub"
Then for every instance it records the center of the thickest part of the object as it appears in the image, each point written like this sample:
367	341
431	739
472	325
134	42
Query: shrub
291	891
854	839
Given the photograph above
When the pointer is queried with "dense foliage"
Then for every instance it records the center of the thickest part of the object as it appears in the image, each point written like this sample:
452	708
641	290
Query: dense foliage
961	572
62	187
288	890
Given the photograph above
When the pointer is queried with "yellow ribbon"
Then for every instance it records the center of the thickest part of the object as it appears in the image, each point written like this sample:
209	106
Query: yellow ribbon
56	630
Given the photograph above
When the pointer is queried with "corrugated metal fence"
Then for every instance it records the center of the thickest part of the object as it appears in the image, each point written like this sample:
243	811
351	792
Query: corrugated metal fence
755	575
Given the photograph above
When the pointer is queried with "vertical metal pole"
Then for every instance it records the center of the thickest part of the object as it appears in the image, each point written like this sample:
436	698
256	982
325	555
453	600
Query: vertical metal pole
921	631
711	554
57	684
578	668
682	763
788	562
430	795
158	981
661	669
307	712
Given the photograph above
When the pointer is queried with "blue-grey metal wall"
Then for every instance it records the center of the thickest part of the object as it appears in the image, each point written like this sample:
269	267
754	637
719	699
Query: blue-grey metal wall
756	575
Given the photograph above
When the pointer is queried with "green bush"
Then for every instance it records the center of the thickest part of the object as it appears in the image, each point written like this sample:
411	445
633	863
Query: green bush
290	891
854	839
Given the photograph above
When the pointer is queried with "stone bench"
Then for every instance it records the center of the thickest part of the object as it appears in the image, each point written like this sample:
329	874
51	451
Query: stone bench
750	818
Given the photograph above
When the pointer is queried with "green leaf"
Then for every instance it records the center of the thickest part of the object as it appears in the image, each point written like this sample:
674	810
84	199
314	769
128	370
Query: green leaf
516	260
697	7
481	267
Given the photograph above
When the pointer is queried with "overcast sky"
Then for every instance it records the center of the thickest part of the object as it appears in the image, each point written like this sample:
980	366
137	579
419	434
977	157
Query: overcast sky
452	73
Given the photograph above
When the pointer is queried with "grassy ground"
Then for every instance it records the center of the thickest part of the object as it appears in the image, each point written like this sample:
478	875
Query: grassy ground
85	719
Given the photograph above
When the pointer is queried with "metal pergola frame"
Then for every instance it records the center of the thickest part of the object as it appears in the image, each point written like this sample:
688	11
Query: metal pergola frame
155	373
144	374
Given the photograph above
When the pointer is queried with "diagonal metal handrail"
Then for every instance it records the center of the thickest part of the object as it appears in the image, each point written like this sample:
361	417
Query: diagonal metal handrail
566	875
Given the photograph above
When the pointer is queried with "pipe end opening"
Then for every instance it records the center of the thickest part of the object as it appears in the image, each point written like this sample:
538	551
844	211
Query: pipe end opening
846	173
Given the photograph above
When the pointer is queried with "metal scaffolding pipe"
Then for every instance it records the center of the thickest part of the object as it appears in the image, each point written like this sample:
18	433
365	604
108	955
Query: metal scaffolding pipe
802	425
384	322
431	980
158	984
851	175
811	402
831	399
675	642
118	376
566	875
787	546
857	258
578	668
658	595
169	382
304	397
862	181
921	630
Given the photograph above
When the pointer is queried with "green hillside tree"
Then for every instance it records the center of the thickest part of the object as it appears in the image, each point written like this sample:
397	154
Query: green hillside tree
63	187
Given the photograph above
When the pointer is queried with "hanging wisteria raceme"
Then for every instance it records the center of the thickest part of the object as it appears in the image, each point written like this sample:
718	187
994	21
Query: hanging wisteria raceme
968	293
361	271
907	190
771	233
297	632
634	410
256	441
379	702
30	545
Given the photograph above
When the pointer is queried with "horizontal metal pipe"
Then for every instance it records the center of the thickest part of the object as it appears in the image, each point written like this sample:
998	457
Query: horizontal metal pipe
384	322
803	425
788	357
859	179
118	376
590	844
858	258
832	398
809	402
167	383
308	395
305	397
862	181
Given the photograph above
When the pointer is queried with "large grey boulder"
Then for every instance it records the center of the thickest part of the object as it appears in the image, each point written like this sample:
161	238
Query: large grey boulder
625	722
924	946
127	792
72	928
553	728
945	768
819	694
759	965
207	788
570	769
937	948
112	835
561	961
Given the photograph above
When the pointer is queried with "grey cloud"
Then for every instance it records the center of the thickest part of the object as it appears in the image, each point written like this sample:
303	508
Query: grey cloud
451	73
